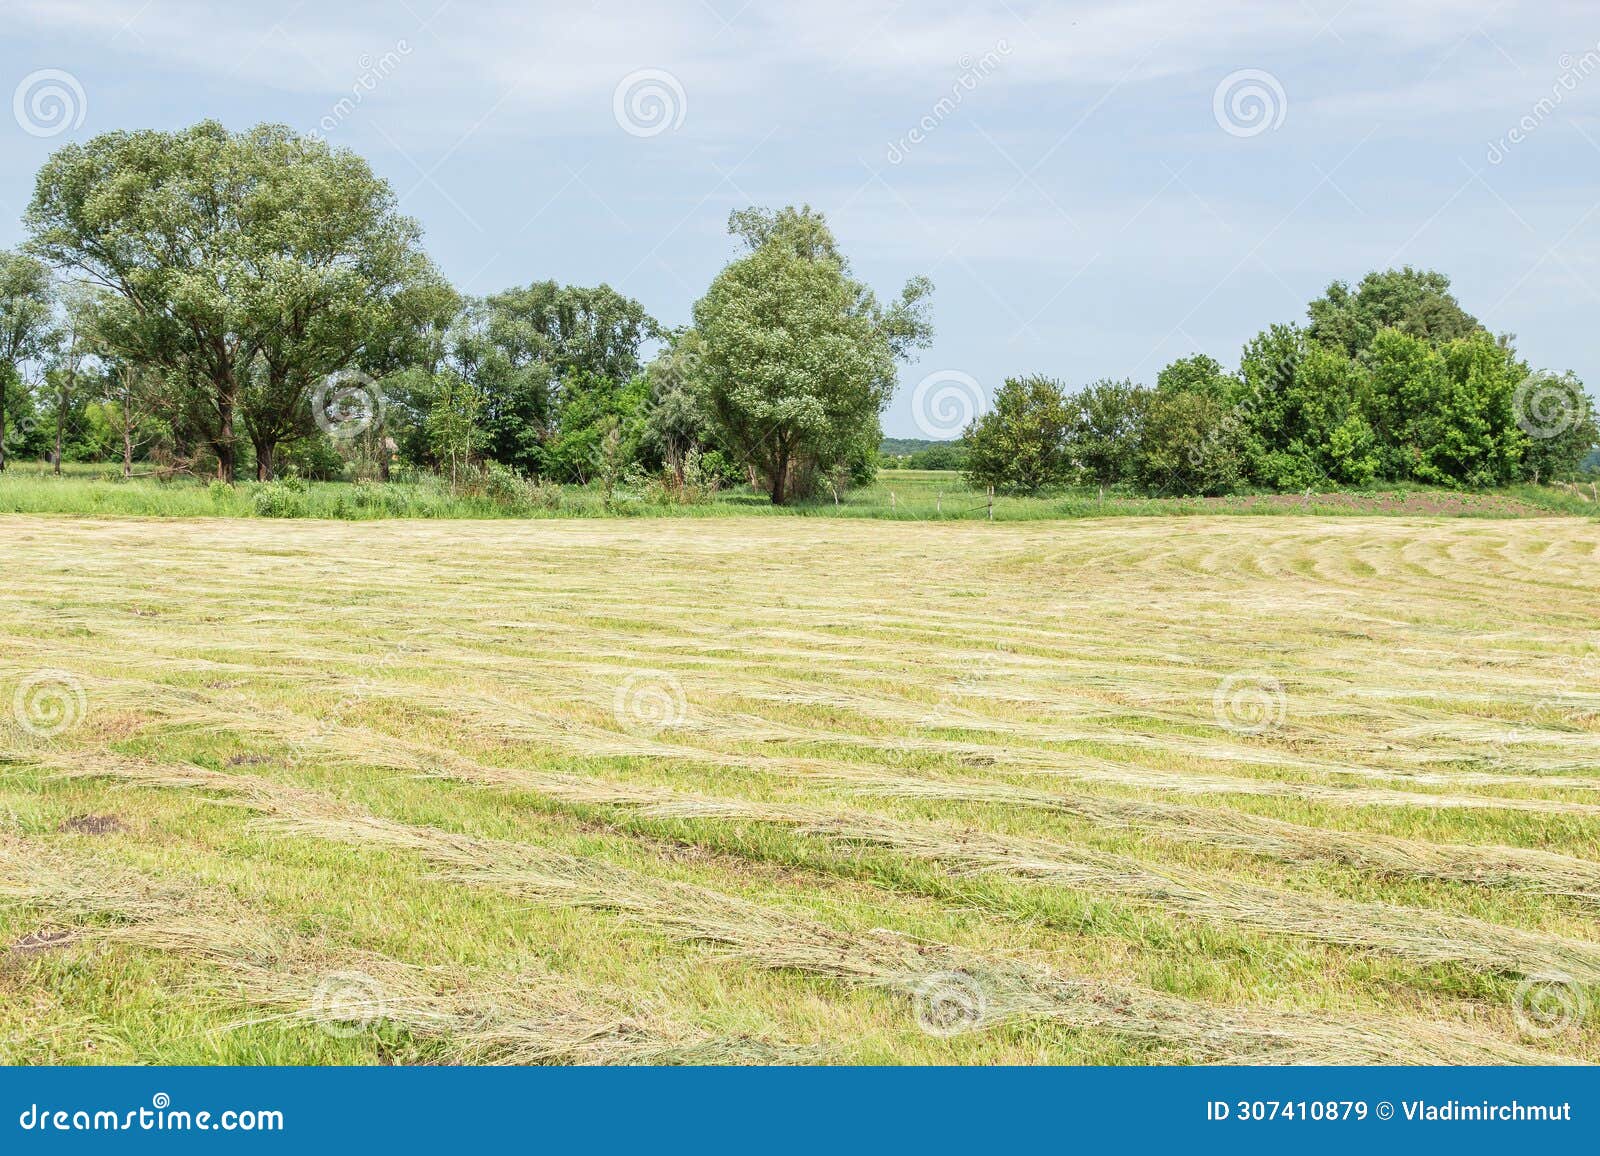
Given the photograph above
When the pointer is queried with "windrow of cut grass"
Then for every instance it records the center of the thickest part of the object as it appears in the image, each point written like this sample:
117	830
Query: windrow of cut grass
449	1016
1003	991
1406	932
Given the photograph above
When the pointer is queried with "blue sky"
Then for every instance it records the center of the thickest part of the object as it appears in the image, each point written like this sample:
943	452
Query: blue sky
1094	188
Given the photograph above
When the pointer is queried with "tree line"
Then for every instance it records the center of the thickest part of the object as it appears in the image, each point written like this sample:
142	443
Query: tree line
223	304
1392	381
214	302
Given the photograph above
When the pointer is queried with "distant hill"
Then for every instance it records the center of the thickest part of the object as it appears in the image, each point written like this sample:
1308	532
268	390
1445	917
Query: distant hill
923	454
898	446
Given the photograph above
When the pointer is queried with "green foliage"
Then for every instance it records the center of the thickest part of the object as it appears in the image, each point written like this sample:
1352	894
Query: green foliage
600	422
455	431
1019	446
237	272
294	257
943	456
285	498
527	348
1103	431
1199	375
1560	425
798	358
1417	302
27	334
1184	447
1448	409
675	419
517	494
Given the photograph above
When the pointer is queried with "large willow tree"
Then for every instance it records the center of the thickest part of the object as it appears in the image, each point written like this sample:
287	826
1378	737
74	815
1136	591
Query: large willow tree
255	264
797	357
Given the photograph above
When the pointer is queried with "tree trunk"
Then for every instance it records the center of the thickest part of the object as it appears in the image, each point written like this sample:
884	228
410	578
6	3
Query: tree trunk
61	403
780	475
266	452
224	443
3	420
127	446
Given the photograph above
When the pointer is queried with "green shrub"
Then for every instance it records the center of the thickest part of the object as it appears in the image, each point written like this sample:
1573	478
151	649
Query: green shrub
284	499
511	491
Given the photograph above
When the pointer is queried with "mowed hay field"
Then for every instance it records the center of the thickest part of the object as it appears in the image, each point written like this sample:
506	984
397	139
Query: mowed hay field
774	791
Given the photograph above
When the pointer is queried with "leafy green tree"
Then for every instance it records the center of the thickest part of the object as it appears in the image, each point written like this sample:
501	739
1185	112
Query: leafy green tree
256	263
523	345
1329	403
73	362
1020	445
1184	446
1264	410
598	425
798	357
1449	411
454	425
1198	374
1415	301
950	455
27	333
675	421
1559	421
1103	431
